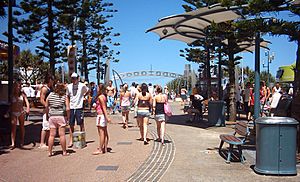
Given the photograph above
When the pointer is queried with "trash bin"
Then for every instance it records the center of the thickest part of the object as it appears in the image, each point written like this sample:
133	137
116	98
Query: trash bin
216	113
5	124
276	145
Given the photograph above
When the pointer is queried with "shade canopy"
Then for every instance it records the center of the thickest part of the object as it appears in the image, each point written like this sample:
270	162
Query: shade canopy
249	46
189	27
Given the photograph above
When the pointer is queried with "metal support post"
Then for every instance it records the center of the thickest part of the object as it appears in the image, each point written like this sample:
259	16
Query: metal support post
257	76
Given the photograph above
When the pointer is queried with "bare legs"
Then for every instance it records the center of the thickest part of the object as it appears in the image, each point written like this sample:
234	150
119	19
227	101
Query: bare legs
161	129
125	119
44	133
62	137
103	140
143	124
71	136
13	131
22	129
14	128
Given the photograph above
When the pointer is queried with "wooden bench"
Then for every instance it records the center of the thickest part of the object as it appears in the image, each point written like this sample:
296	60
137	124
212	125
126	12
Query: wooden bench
242	129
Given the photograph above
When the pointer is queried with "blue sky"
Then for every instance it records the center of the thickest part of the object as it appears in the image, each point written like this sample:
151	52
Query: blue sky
140	50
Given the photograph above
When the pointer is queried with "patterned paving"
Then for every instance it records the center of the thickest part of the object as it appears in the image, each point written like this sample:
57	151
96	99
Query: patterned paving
158	162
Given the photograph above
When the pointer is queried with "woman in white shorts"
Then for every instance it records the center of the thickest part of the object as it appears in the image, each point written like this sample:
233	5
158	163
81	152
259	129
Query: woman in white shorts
101	120
160	116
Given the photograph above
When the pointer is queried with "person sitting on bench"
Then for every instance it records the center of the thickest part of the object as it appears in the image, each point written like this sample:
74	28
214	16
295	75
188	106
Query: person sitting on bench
196	106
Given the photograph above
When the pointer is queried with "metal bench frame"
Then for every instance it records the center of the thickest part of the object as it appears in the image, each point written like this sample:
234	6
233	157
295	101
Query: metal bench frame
242	129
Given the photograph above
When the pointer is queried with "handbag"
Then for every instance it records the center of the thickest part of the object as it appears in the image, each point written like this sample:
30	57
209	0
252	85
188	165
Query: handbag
167	109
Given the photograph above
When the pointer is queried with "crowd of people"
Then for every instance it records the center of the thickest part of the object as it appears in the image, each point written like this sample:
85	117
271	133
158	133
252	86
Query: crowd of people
64	106
269	98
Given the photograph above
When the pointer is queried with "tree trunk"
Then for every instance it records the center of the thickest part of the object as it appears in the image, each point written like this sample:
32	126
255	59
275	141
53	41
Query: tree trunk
296	98
231	71
51	38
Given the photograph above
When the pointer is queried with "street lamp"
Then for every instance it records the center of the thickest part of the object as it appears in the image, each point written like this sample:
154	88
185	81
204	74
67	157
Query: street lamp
270	58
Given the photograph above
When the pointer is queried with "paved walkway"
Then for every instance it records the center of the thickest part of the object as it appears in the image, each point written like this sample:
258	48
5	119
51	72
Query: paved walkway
190	154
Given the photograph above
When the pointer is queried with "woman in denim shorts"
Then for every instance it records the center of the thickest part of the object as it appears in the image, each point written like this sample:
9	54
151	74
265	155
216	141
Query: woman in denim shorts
160	117
144	104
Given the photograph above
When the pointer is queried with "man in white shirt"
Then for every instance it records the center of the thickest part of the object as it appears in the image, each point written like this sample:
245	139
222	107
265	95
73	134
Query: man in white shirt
76	92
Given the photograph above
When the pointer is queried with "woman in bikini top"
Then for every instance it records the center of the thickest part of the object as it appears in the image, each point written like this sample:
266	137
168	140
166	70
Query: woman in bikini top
18	114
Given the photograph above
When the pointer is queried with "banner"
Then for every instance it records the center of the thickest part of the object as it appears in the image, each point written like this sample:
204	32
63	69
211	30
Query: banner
71	53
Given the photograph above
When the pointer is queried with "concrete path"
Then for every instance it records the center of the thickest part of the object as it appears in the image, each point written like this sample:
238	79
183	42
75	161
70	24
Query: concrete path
197	157
190	154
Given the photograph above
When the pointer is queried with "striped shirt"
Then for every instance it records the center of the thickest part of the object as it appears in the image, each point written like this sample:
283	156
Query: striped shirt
56	104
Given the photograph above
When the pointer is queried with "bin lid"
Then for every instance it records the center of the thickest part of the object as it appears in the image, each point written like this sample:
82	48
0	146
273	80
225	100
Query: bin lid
276	120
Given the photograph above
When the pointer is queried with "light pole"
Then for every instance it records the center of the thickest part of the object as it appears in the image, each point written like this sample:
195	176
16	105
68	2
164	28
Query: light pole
270	58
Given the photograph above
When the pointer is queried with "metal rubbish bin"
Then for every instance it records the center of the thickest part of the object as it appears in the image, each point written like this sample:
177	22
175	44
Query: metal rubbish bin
216	113
276	145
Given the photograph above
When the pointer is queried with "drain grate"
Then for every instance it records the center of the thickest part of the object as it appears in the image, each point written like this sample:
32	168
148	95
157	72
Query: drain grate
107	168
124	143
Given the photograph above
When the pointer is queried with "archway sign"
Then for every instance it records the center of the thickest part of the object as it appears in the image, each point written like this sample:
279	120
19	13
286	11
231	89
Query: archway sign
148	73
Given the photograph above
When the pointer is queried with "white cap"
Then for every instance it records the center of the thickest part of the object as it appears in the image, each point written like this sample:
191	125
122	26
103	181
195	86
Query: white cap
74	75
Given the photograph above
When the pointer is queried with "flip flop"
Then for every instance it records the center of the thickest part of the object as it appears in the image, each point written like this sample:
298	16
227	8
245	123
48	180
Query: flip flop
43	147
97	152
51	154
12	147
70	146
66	154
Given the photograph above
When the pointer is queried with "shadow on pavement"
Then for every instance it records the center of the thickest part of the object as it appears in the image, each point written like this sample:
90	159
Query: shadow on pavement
234	155
60	152
32	134
184	120
4	151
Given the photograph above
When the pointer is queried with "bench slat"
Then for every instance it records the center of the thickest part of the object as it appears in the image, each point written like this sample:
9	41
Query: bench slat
231	139
241	128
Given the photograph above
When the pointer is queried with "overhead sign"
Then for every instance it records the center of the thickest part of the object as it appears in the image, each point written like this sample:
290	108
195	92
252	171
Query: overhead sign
150	73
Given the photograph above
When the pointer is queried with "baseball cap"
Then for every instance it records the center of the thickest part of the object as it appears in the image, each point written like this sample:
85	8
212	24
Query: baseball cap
74	75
